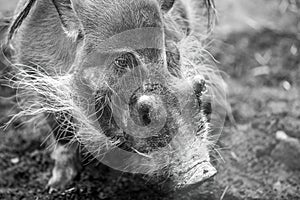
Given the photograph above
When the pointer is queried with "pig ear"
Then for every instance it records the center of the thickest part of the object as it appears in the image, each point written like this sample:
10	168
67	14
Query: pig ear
192	17
19	19
68	17
176	11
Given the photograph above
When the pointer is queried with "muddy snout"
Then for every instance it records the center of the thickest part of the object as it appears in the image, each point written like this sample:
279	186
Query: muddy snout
147	109
197	175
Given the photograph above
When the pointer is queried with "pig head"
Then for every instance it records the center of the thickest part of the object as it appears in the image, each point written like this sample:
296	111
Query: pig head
142	96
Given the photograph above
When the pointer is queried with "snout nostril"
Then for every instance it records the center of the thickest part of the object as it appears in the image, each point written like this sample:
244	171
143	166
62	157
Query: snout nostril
144	113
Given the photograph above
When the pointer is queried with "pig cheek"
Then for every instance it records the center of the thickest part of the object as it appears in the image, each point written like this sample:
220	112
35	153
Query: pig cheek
95	78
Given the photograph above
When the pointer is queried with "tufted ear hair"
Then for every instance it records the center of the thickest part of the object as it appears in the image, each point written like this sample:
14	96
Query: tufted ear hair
166	5
68	17
176	15
190	16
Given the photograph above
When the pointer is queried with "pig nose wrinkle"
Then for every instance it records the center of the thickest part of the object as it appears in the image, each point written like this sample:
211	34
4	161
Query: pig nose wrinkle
149	87
144	108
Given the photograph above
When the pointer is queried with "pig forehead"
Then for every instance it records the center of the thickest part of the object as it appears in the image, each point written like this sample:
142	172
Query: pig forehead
147	42
132	40
104	18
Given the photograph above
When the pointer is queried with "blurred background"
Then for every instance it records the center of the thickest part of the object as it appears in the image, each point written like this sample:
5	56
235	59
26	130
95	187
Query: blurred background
257	46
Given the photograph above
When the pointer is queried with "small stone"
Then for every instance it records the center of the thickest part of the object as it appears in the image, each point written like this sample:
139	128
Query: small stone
15	160
281	135
294	50
286	85
262	70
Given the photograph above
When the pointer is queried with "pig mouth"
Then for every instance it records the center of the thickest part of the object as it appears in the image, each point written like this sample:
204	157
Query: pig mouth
128	142
195	176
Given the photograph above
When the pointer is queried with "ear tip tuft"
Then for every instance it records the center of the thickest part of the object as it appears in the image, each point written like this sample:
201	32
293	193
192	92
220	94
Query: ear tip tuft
166	5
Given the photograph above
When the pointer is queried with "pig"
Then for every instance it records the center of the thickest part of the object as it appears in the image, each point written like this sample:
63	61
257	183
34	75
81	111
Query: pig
126	79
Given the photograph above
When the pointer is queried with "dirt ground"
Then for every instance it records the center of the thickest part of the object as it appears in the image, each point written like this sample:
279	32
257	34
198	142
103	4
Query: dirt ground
259	51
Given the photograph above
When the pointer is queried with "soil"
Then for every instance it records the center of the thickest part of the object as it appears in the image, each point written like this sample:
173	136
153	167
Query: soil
259	147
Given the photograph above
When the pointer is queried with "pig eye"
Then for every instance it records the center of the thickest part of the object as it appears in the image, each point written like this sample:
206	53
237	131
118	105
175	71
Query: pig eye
125	62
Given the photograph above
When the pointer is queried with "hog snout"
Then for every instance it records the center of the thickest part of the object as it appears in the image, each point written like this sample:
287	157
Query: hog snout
196	176
147	110
200	173
144	109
